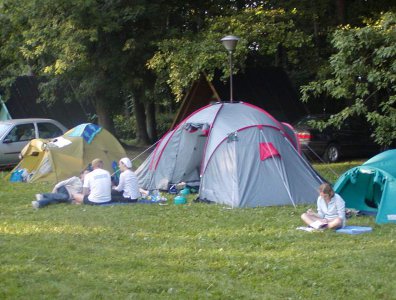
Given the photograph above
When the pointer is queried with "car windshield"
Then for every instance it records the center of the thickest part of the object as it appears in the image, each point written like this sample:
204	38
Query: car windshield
4	128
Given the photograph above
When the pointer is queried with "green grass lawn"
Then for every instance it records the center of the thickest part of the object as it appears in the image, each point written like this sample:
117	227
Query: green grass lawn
193	251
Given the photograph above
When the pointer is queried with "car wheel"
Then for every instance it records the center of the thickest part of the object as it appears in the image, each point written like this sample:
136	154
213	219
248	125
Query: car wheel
332	153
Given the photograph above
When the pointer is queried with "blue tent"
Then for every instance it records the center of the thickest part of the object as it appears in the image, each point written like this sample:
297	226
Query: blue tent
371	187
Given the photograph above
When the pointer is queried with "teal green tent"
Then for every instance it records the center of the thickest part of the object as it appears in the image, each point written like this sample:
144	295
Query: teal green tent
4	114
371	187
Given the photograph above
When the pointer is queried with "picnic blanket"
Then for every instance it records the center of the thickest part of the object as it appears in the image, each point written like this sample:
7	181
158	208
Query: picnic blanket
352	229
141	201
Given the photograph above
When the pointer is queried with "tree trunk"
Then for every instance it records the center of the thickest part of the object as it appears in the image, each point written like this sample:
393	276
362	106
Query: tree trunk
340	4
127	110
141	132
104	116
315	19
280	57
151	122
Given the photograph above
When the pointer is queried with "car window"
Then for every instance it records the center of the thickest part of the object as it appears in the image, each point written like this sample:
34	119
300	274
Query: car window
20	133
48	130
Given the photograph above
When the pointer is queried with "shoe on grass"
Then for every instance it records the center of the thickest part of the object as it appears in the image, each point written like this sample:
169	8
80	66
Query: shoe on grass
35	204
39	197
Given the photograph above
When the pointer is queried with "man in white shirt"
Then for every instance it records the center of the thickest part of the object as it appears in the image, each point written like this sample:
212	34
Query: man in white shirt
96	186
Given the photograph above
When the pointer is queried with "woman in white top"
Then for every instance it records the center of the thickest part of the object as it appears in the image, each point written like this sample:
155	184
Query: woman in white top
128	188
331	209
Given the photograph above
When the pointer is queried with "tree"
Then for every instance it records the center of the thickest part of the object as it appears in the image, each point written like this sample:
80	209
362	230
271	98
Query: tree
63	43
93	50
269	37
99	51
363	71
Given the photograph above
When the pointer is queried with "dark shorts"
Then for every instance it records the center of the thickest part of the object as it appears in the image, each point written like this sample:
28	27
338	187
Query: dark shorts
117	196
86	201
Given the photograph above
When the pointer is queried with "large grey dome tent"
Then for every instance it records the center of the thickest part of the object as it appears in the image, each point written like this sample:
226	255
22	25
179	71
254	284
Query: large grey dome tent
238	154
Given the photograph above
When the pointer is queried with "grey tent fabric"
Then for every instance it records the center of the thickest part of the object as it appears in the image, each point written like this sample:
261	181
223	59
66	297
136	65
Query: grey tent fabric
238	154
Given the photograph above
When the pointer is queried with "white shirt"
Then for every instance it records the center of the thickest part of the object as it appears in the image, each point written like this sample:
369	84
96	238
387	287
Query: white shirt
73	185
129	184
335	208
99	183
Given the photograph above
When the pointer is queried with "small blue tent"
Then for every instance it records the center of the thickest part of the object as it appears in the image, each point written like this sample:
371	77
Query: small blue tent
371	187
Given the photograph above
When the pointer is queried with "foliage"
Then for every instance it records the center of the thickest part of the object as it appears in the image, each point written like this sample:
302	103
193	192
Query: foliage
99	51
164	122
363	71
264	31
183	251
125	127
81	50
62	44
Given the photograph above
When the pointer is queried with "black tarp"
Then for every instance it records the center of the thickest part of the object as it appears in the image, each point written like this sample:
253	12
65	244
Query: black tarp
268	88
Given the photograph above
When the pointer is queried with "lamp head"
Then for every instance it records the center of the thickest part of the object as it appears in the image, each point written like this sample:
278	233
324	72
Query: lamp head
230	42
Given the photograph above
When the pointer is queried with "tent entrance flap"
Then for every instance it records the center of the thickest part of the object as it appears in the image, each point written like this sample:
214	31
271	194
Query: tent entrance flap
189	155
364	191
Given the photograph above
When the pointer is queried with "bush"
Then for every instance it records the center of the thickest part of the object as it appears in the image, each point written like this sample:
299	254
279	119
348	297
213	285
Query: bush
164	122
125	127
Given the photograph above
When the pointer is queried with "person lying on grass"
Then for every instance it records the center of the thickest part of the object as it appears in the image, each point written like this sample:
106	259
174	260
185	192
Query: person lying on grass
331	210
62	192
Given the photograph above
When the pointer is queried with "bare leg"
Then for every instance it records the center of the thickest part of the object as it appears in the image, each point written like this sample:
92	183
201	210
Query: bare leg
78	198
310	218
334	223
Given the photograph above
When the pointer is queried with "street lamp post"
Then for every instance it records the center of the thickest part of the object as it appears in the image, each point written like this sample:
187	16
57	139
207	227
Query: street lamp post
230	42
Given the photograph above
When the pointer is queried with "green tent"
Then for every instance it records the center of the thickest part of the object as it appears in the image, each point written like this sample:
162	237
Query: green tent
371	187
4	114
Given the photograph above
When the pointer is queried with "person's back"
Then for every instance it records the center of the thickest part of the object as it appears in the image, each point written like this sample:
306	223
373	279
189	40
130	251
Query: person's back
99	184
131	185
96	186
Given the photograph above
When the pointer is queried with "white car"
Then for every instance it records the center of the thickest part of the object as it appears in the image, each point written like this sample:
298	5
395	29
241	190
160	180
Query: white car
16	133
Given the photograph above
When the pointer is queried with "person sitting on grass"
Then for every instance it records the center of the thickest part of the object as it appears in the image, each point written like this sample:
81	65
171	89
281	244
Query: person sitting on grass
96	186
128	188
331	210
62	192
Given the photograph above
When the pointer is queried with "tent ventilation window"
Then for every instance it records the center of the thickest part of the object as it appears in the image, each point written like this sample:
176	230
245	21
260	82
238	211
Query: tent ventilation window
267	150
194	127
232	137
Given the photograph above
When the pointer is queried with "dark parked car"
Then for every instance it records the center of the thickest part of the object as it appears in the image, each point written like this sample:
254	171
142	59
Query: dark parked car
353	139
16	133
